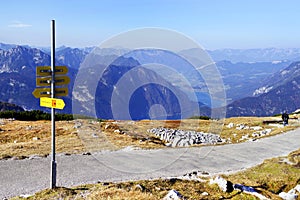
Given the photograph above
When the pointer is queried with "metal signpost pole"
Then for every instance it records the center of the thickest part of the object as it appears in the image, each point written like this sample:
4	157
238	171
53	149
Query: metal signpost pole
53	162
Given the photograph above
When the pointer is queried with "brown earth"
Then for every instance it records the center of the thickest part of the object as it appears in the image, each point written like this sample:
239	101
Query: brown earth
24	138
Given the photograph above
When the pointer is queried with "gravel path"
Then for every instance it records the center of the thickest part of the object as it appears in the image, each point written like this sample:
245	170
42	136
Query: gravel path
31	175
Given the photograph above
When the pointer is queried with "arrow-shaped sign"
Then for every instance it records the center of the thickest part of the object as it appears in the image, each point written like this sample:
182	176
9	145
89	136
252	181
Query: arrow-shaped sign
46	92
46	70
46	81
52	103
41	92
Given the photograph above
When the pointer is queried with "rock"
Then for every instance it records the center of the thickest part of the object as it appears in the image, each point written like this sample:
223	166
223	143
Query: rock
28	128
297	188
183	143
229	186
2	122
139	187
204	194
255	134
35	138
230	125
77	125
249	190
130	148
288	196
34	157
14	158
255	128
240	126
243	188
192	176
266	131
224	185
175	141
173	195
117	131
25	196
244	137
168	144
276	125
105	184
94	135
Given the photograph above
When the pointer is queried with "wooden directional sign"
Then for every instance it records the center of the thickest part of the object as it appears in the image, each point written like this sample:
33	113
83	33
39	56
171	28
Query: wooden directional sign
46	81
52	103
46	70
61	92
41	92
46	92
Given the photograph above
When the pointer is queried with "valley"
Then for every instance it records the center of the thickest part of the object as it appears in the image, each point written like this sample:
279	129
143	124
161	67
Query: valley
259	80
163	130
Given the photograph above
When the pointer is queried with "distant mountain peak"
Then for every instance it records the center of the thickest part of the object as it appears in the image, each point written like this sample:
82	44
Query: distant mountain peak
256	55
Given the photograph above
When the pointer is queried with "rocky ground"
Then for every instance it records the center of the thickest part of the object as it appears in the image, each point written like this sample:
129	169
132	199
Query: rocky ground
120	149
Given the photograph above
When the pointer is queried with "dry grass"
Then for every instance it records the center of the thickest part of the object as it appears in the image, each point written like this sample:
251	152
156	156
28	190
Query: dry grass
22	138
269	178
235	136
17	137
273	176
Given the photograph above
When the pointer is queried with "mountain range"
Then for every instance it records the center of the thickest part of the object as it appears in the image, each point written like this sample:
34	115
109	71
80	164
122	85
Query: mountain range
255	55
279	93
258	82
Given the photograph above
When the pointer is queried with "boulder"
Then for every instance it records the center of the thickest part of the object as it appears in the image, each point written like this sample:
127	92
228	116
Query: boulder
224	185
288	196
173	195
230	125
35	138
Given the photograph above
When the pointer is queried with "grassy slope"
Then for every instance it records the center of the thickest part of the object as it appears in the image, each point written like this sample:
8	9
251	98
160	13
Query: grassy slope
16	139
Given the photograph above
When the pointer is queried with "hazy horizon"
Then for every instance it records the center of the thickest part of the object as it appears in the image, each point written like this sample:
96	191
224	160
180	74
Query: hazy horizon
212	24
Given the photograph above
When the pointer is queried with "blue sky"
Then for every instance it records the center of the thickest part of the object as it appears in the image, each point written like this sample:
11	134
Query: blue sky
212	23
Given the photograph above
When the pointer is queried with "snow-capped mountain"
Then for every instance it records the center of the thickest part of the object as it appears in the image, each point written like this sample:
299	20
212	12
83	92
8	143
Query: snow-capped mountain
275	84
114	97
7	46
21	59
255	55
71	57
281	93
279	78
18	73
243	79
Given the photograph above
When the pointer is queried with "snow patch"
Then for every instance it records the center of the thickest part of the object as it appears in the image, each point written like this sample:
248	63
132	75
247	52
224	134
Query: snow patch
284	72
262	90
276	61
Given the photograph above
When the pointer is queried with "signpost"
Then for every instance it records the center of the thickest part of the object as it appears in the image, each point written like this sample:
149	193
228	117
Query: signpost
53	161
48	77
